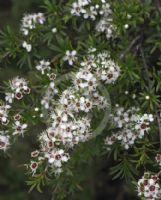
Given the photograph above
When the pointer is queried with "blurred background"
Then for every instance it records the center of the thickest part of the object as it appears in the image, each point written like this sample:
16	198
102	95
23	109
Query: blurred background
12	174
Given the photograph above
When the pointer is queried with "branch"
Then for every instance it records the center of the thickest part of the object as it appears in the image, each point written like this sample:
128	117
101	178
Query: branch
158	5
159	125
145	65
129	47
4	56
149	82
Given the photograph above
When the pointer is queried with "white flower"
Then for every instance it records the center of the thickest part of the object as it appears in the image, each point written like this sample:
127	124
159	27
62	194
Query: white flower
70	56
91	50
50	93
27	46
4	110
43	66
57	157
84	2
19	128
54	30
77	9
129	16
158	159
9	97
4	140
147	97
126	26
91	13
33	167
35	154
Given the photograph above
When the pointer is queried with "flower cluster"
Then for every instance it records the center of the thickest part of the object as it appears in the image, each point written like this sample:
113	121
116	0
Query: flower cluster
30	21
18	87
105	24
18	127
158	159
87	9
44	66
148	187
131	126
69	120
4	140
49	95
108	71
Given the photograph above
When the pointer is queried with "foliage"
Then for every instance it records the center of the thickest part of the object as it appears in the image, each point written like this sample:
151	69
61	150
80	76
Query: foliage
62	42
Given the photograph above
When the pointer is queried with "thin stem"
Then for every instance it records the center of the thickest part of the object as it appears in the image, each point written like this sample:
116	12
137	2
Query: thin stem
130	46
145	66
158	5
159	125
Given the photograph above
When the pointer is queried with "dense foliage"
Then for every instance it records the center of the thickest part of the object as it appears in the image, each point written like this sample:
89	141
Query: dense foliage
91	85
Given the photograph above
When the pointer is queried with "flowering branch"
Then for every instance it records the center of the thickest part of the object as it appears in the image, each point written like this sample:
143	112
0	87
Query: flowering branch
68	90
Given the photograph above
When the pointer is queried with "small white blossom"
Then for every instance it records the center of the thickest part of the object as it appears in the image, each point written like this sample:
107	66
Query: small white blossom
49	94
4	110
27	46
70	56
54	30
33	167
158	159
77	9
43	66
19	128
126	26
147	97
9	97
4	141
56	158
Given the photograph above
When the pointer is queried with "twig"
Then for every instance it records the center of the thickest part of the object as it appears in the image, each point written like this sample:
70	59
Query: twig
158	5
159	125
145	66
129	47
53	192
120	195
4	56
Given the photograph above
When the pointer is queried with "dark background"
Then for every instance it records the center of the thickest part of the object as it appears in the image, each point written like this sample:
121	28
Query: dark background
12	174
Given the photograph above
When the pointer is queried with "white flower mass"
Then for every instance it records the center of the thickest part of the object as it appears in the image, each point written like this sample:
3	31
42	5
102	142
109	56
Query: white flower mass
67	127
